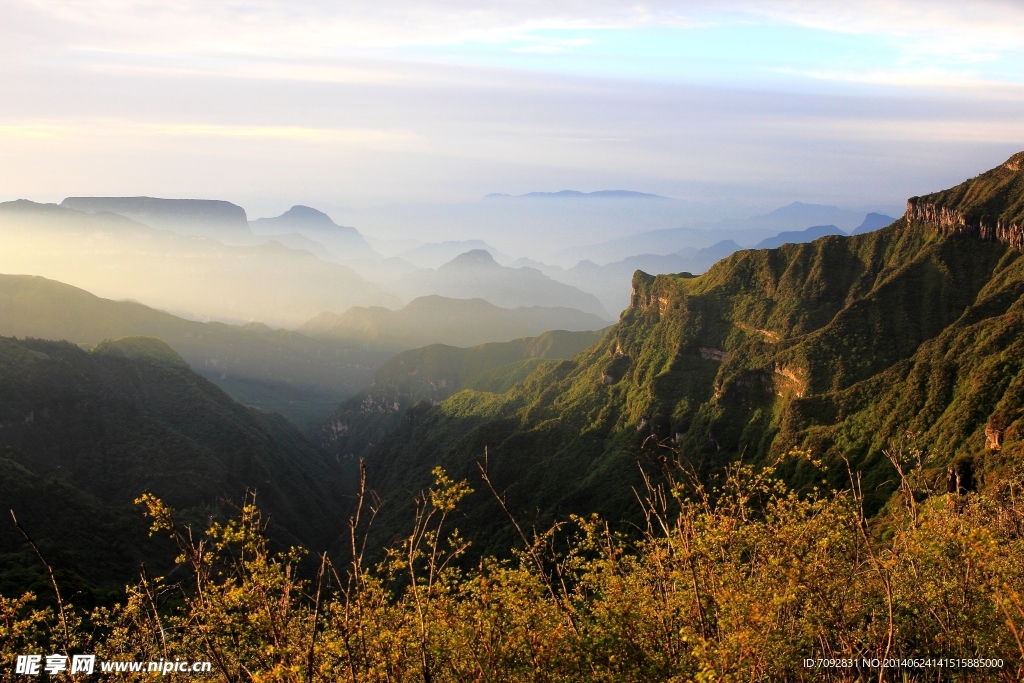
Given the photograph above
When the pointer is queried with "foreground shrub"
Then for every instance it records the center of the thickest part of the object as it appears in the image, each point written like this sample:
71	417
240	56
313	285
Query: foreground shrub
741	582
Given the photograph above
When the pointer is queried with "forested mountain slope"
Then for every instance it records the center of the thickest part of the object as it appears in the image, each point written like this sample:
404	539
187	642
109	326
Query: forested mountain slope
840	346
432	374
287	372
82	434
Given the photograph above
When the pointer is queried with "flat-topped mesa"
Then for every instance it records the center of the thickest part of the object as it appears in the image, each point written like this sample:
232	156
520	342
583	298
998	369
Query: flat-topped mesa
205	217
988	207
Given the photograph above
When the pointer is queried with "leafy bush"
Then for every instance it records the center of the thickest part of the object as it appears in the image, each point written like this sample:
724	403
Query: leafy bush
742	579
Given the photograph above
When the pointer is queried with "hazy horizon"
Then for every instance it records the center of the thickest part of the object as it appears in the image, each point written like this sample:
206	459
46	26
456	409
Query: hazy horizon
737	104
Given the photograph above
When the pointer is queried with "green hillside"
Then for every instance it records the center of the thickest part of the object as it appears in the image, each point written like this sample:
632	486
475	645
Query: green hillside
302	378
440	320
82	434
840	346
432	374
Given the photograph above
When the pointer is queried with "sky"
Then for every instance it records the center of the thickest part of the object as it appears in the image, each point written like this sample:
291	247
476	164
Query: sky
269	103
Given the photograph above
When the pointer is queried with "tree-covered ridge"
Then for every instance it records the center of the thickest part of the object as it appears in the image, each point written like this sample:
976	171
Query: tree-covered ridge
838	346
432	374
291	373
82	434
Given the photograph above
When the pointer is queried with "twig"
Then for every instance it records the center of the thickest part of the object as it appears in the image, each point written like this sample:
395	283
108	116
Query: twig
53	579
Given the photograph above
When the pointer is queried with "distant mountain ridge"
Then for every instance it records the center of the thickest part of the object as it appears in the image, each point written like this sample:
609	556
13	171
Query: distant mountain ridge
475	274
872	222
610	282
440	320
436	254
745	231
799	236
529	226
206	217
298	217
342	243
117	257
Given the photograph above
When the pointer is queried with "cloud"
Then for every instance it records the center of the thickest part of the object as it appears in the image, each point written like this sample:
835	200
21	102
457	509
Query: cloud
70	132
361	42
401	101
937	26
313	25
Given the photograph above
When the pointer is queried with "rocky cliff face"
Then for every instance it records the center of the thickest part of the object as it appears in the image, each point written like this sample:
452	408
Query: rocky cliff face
988	207
953	222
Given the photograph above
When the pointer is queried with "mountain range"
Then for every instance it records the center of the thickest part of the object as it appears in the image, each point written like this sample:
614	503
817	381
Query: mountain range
844	347
841	348
303	376
610	282
287	372
798	236
745	231
439	320
475	274
303	227
443	268
197	277
436	254
535	225
872	222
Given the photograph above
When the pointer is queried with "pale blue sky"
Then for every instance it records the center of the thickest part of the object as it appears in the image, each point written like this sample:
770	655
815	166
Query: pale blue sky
271	103
740	50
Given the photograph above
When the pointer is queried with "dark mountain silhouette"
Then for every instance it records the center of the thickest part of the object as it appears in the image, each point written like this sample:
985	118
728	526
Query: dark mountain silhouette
85	433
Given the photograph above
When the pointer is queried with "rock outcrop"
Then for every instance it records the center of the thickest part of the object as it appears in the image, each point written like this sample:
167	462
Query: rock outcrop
989	207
